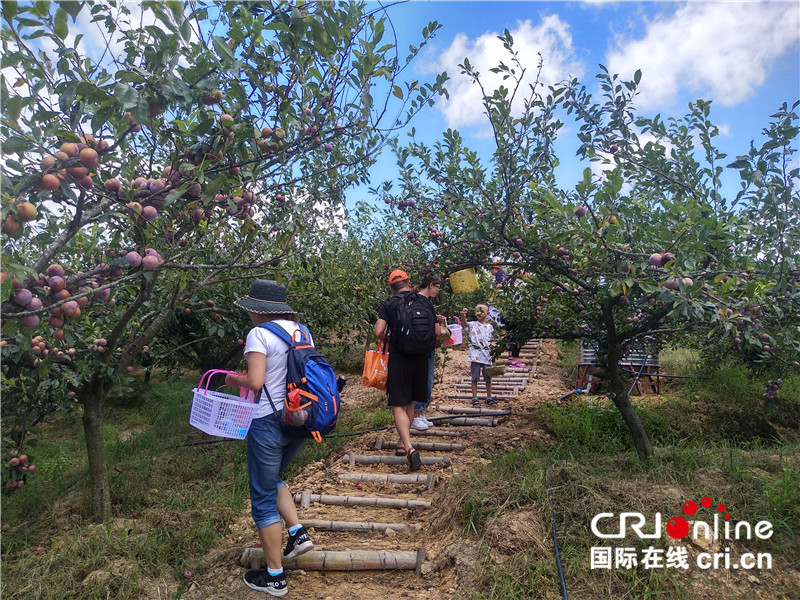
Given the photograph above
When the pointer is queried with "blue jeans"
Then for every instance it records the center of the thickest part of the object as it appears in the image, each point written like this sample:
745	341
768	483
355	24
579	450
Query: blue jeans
423	406
269	453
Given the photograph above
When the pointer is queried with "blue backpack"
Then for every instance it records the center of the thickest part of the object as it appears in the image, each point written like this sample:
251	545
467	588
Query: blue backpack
312	398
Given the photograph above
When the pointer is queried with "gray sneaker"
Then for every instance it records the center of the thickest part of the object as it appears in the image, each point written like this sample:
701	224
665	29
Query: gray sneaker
419	424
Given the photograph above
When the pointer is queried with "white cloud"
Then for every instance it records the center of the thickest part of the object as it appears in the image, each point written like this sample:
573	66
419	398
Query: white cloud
550	38
720	51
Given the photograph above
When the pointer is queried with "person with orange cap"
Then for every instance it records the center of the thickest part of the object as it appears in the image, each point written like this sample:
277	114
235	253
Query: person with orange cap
407	379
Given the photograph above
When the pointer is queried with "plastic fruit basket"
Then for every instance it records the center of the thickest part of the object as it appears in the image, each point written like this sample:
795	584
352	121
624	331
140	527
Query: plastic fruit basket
220	414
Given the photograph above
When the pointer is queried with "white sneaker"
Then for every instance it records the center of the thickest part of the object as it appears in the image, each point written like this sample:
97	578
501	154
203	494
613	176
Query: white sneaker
427	422
418	424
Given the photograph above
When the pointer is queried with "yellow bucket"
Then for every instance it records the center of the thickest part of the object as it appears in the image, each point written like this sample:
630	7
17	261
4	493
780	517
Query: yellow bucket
464	281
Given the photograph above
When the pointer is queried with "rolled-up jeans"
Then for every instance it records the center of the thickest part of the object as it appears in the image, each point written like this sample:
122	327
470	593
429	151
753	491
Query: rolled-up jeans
269	453
423	406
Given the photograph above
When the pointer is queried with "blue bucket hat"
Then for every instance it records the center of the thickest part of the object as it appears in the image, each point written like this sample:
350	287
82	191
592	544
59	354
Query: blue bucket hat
266	297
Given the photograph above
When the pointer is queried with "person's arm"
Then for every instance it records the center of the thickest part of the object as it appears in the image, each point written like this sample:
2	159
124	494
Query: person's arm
256	372
380	329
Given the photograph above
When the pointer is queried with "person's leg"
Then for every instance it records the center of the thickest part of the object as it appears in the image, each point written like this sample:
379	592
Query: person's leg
475	373
403	415
431	376
265	454
270	537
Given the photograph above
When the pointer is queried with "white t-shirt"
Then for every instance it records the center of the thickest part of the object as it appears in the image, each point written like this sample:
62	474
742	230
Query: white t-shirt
479	349
275	349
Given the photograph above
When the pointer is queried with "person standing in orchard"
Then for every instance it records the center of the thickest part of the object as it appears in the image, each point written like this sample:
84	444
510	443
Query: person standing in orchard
481	335
409	321
428	288
269	449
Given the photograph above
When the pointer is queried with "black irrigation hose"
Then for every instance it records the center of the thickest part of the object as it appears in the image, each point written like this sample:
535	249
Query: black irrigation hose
330	435
555	536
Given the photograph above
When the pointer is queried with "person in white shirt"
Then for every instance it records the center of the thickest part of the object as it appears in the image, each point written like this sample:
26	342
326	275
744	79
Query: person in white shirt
479	348
269	449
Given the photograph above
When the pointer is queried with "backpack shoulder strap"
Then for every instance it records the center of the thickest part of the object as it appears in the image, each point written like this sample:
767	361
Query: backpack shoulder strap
277	330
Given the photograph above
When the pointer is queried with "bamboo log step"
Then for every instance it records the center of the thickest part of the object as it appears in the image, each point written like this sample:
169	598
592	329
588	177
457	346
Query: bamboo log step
305	497
380	459
322	560
429	479
434	432
513	389
473	410
471	421
480	397
358	526
435	446
521	380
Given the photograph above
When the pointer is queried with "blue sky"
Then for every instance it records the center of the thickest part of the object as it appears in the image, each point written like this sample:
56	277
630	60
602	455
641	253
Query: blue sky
743	56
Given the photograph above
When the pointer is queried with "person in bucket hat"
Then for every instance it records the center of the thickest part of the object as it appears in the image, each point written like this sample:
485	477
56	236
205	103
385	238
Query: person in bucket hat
269	449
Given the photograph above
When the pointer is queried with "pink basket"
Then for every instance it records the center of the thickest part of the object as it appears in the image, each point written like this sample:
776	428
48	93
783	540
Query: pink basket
456	334
217	413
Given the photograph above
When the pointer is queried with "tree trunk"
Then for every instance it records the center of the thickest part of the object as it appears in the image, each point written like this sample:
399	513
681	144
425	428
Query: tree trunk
617	386
99	491
625	408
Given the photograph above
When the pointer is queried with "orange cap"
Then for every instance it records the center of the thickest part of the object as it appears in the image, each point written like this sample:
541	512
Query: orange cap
397	275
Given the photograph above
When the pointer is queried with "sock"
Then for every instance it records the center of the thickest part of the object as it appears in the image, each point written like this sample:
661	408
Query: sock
275	572
294	529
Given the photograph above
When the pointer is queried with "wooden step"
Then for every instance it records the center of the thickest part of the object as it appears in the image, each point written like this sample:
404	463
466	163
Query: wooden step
471	422
358	526
473	410
481	397
435	432
381	444
306	498
325	560
413	479
376	459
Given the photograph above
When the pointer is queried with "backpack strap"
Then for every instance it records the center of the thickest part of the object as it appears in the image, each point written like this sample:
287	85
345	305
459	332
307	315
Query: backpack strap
284	336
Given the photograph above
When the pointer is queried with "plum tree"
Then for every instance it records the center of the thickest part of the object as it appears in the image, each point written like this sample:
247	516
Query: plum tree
658	250
149	141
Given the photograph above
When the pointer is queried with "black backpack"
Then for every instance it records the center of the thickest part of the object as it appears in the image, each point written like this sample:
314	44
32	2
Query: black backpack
415	329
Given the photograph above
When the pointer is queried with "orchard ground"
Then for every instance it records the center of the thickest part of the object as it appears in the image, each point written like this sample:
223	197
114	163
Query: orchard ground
182	513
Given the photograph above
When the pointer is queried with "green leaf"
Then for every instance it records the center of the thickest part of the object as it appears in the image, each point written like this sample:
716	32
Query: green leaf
60	27
15	105
222	48
71	7
277	26
15	144
186	30
397	91
9	9
126	95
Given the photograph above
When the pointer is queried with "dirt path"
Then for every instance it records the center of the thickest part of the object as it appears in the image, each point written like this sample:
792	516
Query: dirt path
446	568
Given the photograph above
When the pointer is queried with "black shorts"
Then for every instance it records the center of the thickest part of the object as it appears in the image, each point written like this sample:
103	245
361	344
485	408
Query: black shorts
407	381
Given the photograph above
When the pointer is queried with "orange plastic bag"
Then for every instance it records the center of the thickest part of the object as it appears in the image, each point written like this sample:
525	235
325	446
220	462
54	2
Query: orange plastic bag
376	368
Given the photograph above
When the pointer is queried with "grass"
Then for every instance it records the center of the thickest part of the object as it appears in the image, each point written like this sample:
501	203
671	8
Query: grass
755	483
175	495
